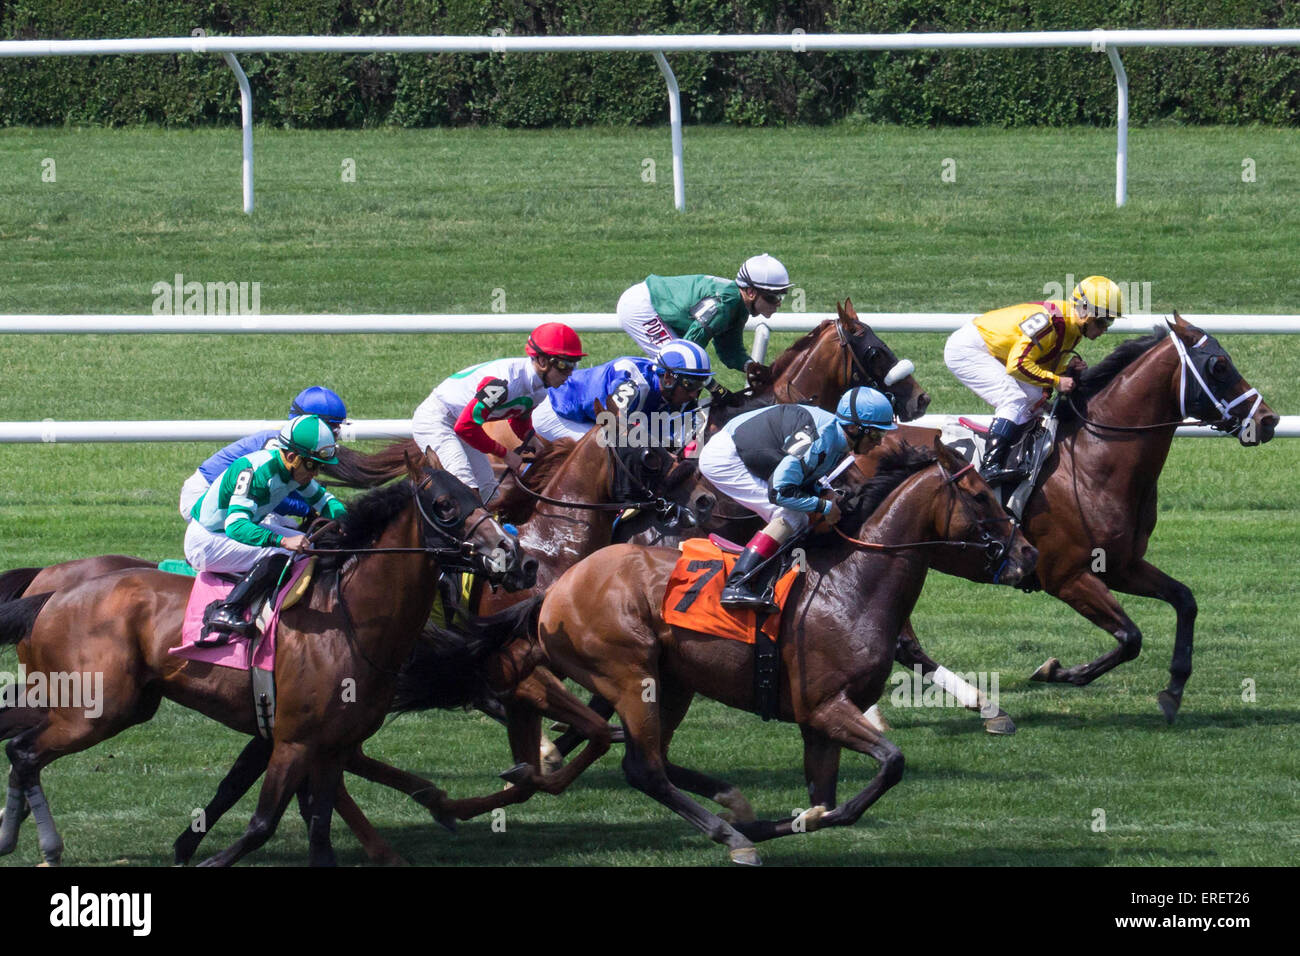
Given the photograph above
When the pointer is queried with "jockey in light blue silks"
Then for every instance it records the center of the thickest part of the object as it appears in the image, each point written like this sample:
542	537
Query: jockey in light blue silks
671	382
770	460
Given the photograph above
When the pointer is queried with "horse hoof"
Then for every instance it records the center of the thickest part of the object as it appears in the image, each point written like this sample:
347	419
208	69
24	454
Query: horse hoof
745	856
1168	704
1000	726
876	719
519	774
1051	667
445	820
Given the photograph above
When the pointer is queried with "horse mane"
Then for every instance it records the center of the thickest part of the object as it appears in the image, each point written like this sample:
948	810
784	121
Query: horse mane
514	502
786	358
1098	376
365	520
893	469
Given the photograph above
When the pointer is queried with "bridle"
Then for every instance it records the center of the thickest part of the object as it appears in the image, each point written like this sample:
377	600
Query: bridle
855	365
996	550
1198	368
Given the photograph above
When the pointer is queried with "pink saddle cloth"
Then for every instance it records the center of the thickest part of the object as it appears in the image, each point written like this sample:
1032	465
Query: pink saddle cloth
209	587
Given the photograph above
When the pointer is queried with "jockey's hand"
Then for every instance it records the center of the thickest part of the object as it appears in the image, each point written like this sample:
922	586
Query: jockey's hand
758	374
1076	367
514	461
294	542
832	517
1066	385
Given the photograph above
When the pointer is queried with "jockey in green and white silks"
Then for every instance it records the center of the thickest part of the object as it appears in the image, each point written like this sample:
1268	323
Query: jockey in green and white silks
232	527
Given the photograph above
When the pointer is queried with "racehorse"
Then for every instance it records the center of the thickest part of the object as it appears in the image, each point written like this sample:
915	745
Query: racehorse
1097	494
356	625
602	625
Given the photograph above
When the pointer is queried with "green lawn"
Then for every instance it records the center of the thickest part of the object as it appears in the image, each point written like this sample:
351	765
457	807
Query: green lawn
562	221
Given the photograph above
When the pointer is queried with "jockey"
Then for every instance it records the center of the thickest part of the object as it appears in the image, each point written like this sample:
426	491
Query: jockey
672	382
310	401
703	308
1010	358
450	421
769	460
231	527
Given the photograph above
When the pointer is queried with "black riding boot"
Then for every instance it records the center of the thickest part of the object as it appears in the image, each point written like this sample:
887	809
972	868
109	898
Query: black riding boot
222	618
746	583
1002	435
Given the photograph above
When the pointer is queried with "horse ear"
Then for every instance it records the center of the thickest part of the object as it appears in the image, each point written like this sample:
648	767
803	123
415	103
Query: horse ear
946	457
415	463
840	309
597	408
1179	320
849	312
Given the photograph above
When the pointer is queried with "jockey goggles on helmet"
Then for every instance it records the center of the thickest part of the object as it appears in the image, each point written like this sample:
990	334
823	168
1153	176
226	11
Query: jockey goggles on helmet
864	407
687	362
310	437
557	342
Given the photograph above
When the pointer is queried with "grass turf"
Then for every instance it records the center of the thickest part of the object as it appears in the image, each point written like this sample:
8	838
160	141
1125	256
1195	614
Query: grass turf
562	221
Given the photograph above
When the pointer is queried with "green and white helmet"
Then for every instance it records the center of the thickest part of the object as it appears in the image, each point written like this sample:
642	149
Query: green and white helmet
309	436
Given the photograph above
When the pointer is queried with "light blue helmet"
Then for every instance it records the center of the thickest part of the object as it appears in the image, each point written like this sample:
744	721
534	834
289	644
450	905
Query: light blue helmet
865	408
685	359
322	402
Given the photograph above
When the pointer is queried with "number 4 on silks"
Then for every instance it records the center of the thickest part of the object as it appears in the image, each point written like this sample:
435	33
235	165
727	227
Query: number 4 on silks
492	393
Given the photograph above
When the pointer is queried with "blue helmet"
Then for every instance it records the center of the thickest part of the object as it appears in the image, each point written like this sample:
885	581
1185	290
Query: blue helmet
865	408
684	358
321	402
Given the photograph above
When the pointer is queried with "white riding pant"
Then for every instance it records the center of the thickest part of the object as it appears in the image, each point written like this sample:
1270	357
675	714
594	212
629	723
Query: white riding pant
640	320
433	426
552	426
196	485
968	358
721	464
206	551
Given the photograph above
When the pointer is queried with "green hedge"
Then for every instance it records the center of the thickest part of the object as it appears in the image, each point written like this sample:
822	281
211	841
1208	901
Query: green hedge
1012	88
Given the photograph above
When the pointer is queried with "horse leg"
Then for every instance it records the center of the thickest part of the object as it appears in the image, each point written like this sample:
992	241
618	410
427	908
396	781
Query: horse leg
326	782
836	723
1146	580
1091	598
287	767
644	767
911	655
569	740
377	849
248	766
544	693
821	767
26	796
424	792
673	706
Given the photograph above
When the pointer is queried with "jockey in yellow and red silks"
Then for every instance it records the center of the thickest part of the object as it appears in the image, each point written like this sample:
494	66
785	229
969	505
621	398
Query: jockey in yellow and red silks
1012	357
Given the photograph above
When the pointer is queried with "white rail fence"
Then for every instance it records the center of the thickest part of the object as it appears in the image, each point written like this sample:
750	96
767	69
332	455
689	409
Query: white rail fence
489	322
1109	42
66	432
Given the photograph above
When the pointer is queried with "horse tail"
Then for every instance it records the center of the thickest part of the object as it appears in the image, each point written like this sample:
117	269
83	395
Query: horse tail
356	470
18	617
445	670
14	583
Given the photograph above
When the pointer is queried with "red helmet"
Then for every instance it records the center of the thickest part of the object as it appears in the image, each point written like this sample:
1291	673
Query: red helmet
555	339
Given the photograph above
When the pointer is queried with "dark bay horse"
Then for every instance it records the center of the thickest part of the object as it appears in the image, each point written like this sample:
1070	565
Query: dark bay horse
356	625
601	624
1097	493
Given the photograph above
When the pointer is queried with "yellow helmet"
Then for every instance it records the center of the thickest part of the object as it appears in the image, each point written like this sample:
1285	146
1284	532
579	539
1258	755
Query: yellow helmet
1097	295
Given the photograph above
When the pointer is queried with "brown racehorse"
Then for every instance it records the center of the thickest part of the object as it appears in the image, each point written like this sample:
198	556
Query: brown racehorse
357	625
602	625
1098	491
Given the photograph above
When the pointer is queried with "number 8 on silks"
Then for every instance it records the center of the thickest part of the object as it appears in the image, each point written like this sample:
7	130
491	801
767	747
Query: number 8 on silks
450	421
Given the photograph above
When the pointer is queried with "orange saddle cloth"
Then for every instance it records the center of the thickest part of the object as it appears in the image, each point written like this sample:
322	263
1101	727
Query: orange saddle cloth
695	589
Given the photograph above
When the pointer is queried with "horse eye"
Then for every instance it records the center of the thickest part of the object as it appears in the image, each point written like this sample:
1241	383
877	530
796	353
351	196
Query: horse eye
446	509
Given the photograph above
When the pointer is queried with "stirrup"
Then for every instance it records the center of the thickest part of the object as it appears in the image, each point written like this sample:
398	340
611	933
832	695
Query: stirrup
741	595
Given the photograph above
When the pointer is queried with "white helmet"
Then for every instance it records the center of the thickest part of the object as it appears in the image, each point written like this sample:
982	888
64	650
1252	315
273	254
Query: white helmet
764	272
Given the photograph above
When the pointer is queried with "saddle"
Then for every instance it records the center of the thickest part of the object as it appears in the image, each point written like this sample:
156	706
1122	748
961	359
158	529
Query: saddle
1027	456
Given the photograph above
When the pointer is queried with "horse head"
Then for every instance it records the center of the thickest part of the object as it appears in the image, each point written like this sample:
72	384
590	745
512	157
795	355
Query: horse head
1213	390
843	353
462	533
